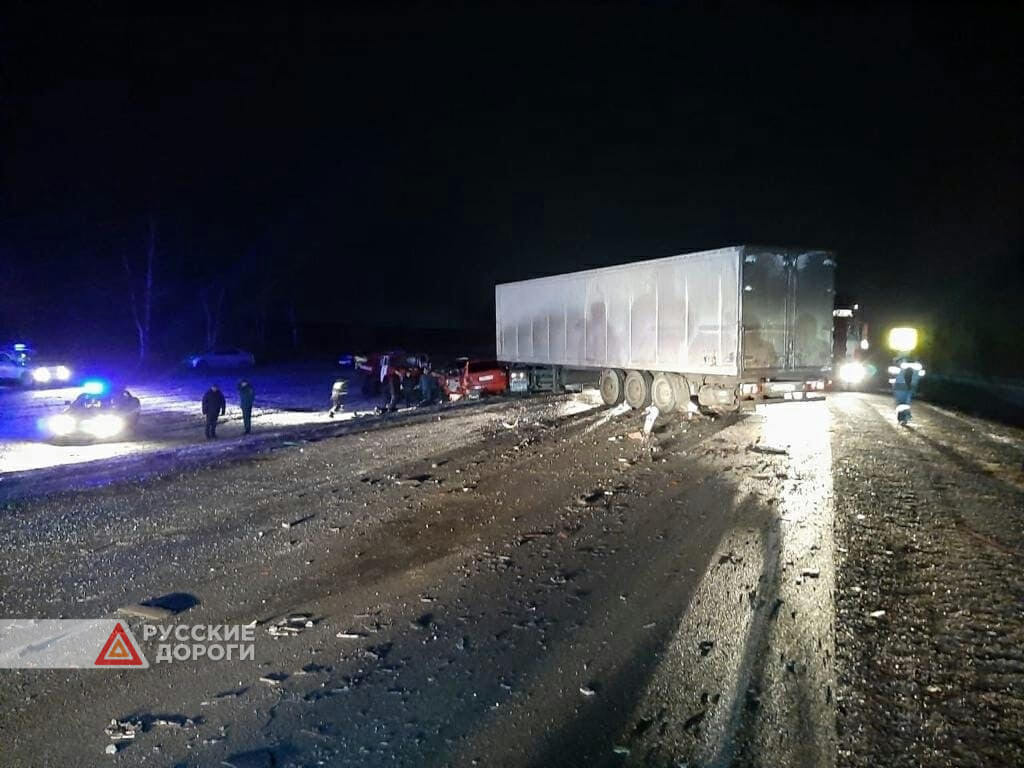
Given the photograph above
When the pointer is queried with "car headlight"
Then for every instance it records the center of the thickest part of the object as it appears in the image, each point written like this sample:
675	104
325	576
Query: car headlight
104	425
852	373
41	375
63	372
62	424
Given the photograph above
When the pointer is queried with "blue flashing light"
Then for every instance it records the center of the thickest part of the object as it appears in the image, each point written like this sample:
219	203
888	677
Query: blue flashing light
20	347
94	387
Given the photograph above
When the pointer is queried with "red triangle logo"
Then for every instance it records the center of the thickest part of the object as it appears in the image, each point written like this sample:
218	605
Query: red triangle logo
119	651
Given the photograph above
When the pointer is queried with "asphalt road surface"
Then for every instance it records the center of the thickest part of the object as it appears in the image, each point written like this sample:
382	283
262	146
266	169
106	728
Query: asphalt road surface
525	583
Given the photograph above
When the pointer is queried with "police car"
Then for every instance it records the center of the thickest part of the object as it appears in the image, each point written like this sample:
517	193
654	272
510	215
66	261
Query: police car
19	364
100	412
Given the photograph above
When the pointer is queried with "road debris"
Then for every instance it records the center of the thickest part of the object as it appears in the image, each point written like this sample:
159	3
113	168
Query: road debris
151	612
877	614
651	414
274	678
593	497
768	449
587	691
291	625
123	730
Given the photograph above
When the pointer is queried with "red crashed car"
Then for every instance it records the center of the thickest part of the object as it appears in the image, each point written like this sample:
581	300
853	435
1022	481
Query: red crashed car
472	378
371	368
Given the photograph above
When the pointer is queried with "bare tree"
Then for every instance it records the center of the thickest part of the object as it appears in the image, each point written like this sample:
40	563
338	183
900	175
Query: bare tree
141	294
211	297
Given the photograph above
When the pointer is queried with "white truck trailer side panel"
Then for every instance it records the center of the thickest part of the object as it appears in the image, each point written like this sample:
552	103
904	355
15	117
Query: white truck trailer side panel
676	314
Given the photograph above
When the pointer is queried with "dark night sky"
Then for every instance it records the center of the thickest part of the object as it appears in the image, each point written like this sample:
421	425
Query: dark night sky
391	162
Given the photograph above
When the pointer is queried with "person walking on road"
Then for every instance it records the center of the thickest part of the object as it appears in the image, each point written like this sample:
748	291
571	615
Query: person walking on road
246	396
338	392
906	375
214	407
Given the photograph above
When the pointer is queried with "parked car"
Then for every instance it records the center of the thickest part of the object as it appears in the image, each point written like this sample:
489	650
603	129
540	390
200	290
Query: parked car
221	357
472	378
97	414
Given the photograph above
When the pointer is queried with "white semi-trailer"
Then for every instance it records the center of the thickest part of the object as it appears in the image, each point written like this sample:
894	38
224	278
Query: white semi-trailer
723	327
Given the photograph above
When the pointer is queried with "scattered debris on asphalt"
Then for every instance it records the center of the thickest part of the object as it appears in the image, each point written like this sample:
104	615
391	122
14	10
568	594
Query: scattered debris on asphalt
768	449
123	730
151	612
291	625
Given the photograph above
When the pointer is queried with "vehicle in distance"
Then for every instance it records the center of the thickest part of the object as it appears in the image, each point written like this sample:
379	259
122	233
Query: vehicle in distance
851	348
472	378
726	327
221	357
18	363
101	413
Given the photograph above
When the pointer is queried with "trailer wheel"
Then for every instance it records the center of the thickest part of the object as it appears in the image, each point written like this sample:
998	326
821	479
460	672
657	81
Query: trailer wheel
664	393
684	391
638	389
611	386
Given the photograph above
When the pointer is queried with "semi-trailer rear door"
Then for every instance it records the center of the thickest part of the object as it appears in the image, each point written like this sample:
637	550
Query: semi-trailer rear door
787	298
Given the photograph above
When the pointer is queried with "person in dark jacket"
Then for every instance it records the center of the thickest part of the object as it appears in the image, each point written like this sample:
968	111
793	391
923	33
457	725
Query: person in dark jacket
213	408
246	396
393	391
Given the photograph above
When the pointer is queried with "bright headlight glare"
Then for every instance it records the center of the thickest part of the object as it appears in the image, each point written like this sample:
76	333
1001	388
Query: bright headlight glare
42	375
62	424
852	373
104	425
903	339
63	372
